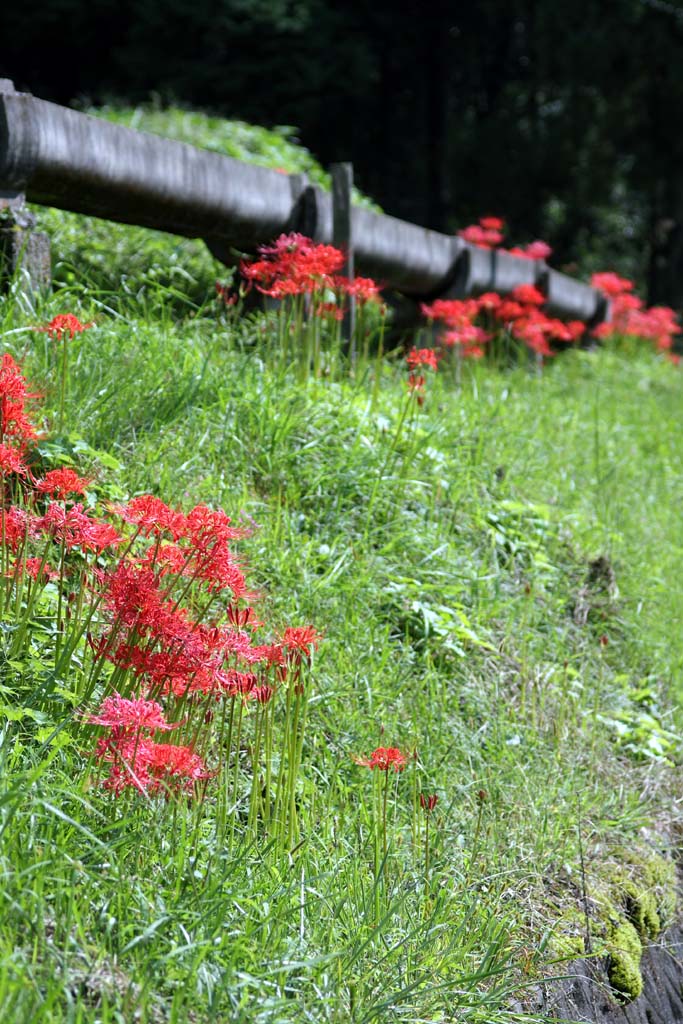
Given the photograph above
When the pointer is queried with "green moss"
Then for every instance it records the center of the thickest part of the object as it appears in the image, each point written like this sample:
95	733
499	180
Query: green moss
625	950
636	898
568	940
660	875
646	888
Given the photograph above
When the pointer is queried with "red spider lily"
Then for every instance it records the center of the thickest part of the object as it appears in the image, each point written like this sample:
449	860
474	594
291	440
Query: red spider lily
488	302
509	310
492	223
61	482
528	295
384	759
611	284
576	328
537	250
208	525
215	566
428	803
12	460
14	394
293	265
17	526
453	312
362	289
75	528
117	712
422	357
487	234
152	515
64	324
301	640
469	338
140	763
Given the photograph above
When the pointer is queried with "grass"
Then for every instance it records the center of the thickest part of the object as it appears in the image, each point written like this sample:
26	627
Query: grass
463	574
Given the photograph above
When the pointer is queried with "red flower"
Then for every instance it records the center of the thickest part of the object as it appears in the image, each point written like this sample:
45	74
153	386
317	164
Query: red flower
487	234
61	482
152	515
492	223
384	759
64	323
508	310
454	312
293	265
428	803
74	528
534	251
14	394
528	295
611	284
16	526
422	357
301	640
131	714
12	461
363	289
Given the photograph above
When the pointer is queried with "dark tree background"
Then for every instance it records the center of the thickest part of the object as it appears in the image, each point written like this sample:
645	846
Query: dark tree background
564	116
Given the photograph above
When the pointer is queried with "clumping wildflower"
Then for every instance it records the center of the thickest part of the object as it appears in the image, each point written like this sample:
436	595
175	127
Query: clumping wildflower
301	640
12	460
362	289
537	250
611	284
152	515
422	357
528	295
293	265
14	395
64	324
487	234
61	482
131	714
384	759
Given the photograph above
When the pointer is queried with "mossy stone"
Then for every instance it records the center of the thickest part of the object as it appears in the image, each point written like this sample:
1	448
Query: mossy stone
625	950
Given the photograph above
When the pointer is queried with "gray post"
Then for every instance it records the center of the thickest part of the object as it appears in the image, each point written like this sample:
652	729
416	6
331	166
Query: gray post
24	253
342	238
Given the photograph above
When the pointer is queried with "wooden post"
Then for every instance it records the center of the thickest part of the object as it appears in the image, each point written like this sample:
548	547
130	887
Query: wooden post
342	238
24	253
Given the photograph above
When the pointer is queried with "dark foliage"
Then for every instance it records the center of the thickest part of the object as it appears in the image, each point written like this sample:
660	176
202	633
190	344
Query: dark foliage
560	115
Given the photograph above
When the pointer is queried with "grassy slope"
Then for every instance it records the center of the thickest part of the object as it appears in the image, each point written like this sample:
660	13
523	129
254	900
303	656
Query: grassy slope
462	618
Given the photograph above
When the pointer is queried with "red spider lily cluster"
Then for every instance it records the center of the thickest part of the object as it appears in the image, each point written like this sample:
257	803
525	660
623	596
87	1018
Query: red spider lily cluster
487	234
629	315
470	323
151	617
416	358
295	265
